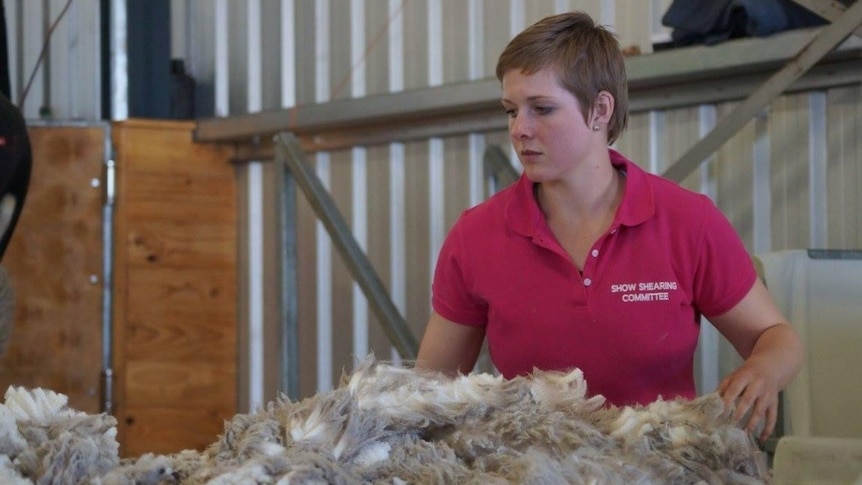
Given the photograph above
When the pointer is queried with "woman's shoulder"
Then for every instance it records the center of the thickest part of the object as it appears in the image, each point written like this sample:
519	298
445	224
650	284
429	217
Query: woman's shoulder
653	194
495	219
491	209
659	189
671	193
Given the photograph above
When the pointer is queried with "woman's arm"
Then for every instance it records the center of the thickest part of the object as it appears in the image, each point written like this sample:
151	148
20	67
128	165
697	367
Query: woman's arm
773	356
449	347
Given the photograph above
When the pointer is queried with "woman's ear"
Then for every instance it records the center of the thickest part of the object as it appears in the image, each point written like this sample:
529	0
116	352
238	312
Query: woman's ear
603	108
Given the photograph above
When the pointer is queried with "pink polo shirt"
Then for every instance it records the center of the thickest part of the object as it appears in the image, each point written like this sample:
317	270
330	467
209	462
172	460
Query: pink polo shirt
630	322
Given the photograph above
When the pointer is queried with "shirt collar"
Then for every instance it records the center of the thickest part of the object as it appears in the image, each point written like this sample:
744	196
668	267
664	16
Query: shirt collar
638	204
525	217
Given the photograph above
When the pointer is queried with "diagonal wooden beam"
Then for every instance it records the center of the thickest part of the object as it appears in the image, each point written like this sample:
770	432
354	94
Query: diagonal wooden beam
289	152
826	40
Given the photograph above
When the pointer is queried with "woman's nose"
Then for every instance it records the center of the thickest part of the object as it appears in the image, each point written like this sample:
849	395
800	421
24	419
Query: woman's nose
519	126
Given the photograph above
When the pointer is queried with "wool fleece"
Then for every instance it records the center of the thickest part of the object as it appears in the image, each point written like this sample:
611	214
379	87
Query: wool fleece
387	424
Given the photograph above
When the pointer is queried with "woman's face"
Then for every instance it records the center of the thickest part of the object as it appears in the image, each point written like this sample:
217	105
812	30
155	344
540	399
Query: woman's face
546	125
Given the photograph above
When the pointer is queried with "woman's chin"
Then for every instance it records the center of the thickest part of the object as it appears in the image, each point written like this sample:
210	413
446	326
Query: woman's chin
535	175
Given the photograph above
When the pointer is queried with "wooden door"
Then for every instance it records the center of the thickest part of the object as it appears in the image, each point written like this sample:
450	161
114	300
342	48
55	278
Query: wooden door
175	288
54	261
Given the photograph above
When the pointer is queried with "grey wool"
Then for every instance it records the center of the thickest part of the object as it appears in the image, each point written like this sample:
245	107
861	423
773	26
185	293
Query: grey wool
388	424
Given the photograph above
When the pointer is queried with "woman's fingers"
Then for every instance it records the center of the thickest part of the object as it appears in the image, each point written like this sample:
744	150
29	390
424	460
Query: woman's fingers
748	395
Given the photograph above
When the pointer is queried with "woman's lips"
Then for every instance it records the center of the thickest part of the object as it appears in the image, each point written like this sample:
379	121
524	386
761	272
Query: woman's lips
529	154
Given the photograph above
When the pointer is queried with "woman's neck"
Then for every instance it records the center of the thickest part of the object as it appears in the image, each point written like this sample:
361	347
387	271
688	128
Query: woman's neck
591	193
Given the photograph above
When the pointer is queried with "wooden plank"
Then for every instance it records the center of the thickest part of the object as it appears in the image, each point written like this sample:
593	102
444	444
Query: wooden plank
180	245
119	295
154	193
156	429
176	294
192	320
55	342
192	384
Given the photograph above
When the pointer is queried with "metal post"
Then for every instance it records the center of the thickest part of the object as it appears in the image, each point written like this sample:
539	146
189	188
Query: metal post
289	287
499	172
289	152
108	277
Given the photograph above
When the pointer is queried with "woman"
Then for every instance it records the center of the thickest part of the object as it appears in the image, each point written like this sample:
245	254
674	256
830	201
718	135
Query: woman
588	261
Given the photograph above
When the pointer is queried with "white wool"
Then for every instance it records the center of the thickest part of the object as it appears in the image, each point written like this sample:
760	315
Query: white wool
313	427
250	473
147	469
271	449
38	406
679	435
562	390
11	441
360	378
420	393
340	446
548	391
634	423
628	423
288	480
373	453
9	475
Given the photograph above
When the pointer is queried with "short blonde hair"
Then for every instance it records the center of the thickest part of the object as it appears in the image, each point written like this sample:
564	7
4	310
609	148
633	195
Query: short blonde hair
585	55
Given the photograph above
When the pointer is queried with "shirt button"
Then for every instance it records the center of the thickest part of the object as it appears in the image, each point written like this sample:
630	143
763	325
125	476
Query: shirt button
595	253
587	282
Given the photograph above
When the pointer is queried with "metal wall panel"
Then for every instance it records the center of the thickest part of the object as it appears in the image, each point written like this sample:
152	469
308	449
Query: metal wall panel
844	134
66	83
734	176
26	44
789	182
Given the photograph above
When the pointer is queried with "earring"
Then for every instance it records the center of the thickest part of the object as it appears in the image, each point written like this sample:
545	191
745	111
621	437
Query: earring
596	127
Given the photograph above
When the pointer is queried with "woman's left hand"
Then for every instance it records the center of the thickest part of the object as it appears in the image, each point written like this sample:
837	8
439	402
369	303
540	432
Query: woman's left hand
749	391
773	356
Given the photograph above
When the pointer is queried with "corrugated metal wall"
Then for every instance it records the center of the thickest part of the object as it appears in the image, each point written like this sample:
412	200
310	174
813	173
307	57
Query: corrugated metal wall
66	84
790	179
399	199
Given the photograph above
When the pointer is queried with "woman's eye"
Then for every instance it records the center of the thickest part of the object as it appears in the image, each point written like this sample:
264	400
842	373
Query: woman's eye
511	113
543	110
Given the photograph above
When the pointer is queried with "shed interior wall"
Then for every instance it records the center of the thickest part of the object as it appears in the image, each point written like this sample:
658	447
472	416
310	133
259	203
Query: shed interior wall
403	196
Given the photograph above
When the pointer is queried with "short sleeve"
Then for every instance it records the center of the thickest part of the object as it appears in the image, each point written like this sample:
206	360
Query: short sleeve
452	296
725	271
